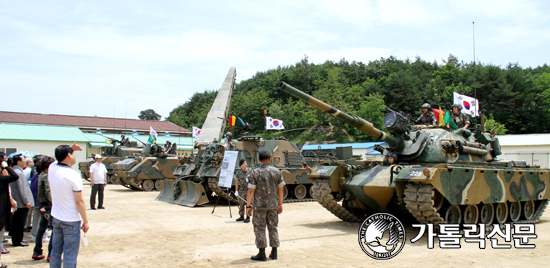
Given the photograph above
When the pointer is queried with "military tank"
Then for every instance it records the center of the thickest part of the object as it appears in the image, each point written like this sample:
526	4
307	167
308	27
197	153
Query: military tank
147	170
198	177
438	176
110	155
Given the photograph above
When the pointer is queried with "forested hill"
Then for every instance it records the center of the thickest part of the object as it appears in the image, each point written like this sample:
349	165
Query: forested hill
516	97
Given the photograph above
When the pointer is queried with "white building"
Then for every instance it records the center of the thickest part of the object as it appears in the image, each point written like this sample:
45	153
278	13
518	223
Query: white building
532	148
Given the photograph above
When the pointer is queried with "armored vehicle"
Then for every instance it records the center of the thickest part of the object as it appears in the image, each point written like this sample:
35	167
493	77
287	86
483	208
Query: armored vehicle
110	155
147	170
198	177
437	176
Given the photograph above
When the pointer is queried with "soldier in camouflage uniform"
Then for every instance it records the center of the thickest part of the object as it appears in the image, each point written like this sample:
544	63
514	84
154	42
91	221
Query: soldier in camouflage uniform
461	120
265	197
427	117
242	189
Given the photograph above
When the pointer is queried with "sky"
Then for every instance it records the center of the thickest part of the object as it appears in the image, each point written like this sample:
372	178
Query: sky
117	58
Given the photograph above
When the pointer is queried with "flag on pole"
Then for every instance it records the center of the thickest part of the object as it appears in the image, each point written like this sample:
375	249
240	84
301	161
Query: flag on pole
232	120
152	135
107	141
196	132
449	121
440	117
272	123
470	106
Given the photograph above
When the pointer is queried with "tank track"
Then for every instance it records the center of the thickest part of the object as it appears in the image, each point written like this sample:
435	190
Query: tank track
419	200
420	203
323	194
292	200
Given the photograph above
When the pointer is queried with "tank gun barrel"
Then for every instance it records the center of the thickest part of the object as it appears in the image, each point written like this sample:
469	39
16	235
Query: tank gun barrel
355	121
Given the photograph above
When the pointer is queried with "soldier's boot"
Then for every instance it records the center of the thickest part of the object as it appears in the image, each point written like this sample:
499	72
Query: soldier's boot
241	218
260	256
273	254
247	220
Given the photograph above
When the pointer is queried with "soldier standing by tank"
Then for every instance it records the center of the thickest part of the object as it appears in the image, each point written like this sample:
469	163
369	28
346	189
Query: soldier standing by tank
242	189
265	196
427	117
461	120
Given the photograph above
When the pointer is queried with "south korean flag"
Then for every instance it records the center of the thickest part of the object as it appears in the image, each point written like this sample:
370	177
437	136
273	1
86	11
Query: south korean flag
470	106
272	123
196	132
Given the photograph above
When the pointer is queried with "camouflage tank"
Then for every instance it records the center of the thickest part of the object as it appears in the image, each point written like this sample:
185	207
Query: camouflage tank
199	176
439	176
147	171
110	155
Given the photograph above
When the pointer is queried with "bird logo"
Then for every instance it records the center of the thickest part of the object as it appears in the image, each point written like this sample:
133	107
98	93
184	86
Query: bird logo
382	236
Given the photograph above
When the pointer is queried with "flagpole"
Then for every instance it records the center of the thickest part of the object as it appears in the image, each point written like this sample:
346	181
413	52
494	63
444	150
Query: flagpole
265	130
474	48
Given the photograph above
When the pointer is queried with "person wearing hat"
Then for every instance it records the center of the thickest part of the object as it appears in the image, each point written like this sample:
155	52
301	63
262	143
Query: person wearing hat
98	173
427	117
241	189
461	120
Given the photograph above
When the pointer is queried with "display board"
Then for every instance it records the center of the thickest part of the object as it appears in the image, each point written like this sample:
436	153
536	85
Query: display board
228	168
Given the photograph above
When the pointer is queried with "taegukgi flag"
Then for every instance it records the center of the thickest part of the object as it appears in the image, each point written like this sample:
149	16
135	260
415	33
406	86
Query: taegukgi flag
196	132
272	123
470	106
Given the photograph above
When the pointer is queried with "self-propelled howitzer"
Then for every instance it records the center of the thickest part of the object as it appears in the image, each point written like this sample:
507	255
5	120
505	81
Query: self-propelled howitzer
439	176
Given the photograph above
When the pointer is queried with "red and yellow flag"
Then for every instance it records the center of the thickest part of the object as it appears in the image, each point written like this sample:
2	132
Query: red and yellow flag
232	120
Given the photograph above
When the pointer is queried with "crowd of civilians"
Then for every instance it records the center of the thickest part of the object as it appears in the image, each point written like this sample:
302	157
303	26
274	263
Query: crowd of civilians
43	193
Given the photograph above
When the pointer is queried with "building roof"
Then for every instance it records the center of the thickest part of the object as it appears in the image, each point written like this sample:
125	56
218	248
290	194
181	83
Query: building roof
41	133
89	121
359	145
524	139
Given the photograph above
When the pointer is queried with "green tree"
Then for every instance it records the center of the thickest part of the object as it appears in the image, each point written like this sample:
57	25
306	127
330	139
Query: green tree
149	114
194	111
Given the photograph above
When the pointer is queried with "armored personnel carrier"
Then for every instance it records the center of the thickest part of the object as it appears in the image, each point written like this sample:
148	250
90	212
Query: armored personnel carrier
437	176
146	171
110	155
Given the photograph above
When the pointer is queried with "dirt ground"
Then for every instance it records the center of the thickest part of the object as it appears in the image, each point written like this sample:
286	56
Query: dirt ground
136	231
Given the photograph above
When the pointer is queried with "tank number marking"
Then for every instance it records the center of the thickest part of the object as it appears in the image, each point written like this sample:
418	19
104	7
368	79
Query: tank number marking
416	173
322	170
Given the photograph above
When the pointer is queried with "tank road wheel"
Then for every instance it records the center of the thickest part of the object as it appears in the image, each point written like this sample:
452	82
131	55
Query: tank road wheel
310	191
108	179
285	192
453	215
529	210
515	211
148	185
159	184
115	179
502	213
471	214
487	213
300	191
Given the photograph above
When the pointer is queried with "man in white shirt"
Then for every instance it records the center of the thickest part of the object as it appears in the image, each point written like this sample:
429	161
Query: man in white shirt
67	207
98	173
